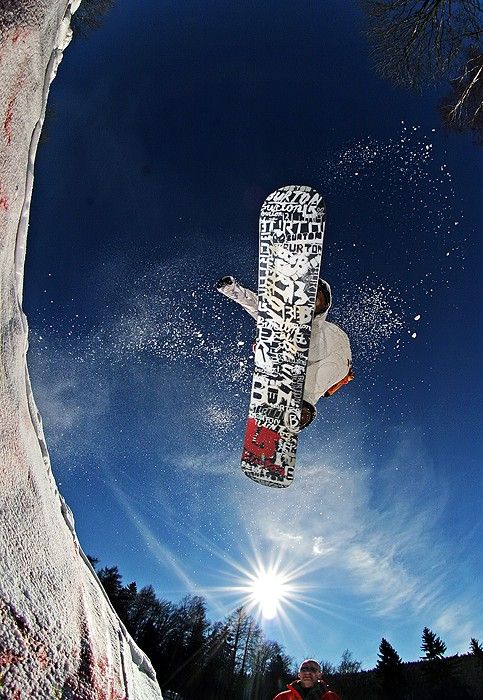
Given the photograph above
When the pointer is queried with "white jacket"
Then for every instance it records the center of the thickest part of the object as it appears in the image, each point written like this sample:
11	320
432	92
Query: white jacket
330	357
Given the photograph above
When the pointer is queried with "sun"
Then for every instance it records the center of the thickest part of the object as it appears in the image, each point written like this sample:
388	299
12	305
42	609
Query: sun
268	589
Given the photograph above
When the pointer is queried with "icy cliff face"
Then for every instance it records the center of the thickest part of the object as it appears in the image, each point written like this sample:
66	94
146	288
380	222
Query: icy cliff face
59	636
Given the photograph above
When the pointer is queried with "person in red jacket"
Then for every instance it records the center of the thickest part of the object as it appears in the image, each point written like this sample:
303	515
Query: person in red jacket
309	685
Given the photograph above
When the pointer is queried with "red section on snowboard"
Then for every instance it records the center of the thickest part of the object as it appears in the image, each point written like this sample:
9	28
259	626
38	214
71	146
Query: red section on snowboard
260	446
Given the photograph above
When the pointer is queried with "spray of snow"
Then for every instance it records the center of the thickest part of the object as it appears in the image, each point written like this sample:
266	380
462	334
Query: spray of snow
401	174
373	318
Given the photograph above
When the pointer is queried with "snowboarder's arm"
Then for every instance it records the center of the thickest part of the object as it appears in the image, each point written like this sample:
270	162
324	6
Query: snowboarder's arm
245	297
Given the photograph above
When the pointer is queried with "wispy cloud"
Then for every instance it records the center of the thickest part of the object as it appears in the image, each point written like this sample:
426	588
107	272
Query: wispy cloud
458	620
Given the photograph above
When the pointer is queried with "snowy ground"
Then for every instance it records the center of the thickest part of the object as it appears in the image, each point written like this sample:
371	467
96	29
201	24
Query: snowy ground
59	636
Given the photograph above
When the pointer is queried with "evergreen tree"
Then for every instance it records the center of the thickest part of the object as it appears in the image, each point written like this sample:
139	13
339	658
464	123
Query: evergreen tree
144	607
127	598
476	649
437	673
194	648
433	646
263	654
111	580
390	672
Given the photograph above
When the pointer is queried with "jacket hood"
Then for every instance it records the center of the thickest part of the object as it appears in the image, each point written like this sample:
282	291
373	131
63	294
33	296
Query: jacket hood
327	290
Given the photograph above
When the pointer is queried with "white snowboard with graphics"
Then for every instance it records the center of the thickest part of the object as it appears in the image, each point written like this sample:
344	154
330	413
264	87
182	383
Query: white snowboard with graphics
291	236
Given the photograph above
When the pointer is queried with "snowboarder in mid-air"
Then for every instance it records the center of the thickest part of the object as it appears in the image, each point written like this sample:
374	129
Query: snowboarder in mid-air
329	364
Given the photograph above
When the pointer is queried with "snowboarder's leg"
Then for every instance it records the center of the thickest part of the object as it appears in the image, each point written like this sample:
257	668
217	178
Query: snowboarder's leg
307	415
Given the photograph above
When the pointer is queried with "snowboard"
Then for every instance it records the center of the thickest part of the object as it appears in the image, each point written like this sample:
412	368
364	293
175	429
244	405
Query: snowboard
291	229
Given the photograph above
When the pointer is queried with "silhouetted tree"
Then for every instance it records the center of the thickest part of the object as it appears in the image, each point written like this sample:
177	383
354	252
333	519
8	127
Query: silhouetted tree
263	653
436	673
153	628
390	671
230	659
111	580
476	649
327	668
419	42
126	602
239	623
144	607
348	664
216	675
182	653
121	597
194	647
279	672
433	646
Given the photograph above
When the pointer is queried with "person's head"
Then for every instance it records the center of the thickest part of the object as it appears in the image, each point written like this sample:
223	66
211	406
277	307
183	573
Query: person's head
323	299
309	673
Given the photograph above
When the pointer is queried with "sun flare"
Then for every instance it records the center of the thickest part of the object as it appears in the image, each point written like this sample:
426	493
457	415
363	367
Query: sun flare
268	589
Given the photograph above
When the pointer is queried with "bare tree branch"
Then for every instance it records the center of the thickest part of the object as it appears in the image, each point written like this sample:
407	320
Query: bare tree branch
462	108
416	43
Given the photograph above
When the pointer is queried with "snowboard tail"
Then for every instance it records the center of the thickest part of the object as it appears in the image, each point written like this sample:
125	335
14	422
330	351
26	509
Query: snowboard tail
291	237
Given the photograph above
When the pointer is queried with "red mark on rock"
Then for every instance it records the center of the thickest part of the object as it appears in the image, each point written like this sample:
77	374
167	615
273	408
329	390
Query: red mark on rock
3	198
43	657
7	122
8	657
18	34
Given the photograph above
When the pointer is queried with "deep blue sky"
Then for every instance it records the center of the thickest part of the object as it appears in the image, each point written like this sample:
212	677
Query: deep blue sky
170	125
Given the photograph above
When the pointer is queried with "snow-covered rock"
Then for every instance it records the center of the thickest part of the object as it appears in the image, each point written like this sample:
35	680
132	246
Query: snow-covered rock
59	635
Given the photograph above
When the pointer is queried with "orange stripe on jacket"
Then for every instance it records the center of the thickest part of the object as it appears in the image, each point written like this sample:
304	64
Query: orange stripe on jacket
348	378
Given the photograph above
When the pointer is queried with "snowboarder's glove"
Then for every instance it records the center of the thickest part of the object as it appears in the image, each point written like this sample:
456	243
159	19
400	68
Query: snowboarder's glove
224	282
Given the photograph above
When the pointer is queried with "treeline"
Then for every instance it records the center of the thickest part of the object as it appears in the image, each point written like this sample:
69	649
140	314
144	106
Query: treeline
433	677
232	659
193	657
